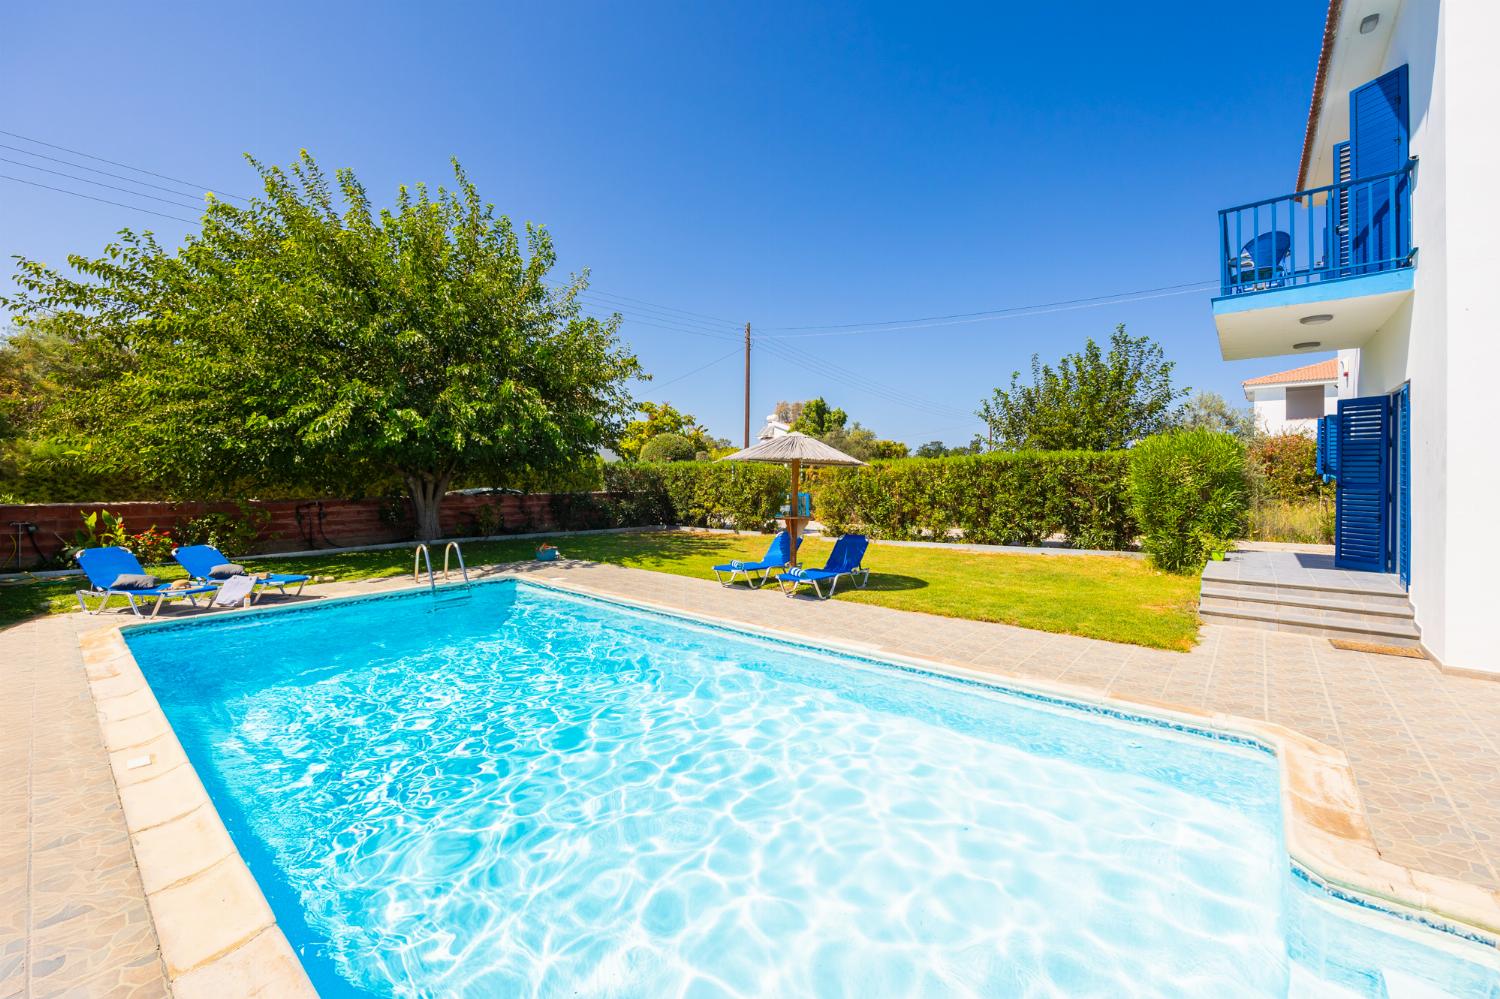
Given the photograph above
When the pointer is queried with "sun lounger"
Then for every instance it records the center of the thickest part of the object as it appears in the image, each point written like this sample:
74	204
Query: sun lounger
777	556
105	568
201	560
845	560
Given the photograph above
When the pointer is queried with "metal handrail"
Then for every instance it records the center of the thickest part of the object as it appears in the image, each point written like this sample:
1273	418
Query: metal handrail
1347	229
423	554
453	547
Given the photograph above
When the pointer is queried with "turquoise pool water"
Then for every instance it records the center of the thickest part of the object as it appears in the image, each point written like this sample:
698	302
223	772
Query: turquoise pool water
525	793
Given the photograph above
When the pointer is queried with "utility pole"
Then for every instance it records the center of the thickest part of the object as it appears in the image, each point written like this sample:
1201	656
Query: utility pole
747	385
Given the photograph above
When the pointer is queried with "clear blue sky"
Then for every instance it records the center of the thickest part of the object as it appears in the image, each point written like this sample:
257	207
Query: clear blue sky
789	165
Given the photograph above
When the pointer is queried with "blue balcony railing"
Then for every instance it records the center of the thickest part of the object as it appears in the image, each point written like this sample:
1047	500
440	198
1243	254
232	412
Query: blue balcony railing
1323	234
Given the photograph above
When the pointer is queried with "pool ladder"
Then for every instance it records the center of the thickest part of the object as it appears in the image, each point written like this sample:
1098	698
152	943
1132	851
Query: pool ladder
423	555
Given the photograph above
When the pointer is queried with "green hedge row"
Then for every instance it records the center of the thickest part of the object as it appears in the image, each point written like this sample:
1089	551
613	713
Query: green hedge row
1007	498
1182	495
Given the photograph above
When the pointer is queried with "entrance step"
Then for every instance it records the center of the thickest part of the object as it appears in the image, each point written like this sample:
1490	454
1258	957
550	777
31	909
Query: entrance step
1308	596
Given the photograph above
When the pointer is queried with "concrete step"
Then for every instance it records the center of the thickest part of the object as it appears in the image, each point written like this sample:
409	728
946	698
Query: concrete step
1372	584
1327	624
1228	594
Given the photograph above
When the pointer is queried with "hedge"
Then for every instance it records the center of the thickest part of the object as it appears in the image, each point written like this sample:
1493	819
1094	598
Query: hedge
696	493
1006	498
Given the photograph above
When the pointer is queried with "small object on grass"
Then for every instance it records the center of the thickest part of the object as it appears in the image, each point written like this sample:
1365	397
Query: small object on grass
1378	649
546	553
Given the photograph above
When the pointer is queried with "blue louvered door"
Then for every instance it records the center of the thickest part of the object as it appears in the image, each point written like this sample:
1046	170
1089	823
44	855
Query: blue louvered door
1401	403
1361	524
1337	232
1378	144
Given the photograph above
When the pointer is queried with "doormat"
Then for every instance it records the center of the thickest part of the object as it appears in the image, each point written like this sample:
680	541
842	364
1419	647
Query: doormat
1377	649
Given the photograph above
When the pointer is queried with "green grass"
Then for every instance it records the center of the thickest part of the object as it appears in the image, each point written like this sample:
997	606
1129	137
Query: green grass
1118	599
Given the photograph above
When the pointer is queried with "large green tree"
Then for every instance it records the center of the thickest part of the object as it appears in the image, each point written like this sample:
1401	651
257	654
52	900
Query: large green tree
1091	401
311	338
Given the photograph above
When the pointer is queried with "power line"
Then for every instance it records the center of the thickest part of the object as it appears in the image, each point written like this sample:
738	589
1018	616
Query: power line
701	367
105	201
958	319
669	308
124	166
98	183
865	384
80	166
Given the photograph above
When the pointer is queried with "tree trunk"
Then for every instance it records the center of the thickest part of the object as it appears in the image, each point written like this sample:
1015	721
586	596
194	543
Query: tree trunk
426	492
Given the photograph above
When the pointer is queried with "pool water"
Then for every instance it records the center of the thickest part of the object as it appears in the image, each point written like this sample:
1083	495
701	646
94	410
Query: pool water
528	793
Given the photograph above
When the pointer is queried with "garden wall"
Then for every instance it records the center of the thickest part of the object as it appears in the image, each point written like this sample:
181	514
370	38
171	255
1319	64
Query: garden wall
293	525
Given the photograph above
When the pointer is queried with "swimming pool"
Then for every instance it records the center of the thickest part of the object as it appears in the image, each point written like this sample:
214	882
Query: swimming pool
525	792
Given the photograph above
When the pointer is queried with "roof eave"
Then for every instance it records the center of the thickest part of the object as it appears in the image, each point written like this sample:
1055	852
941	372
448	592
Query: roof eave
1330	32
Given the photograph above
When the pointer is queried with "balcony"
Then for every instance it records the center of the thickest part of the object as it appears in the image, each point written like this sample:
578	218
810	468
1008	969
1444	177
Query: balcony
1344	247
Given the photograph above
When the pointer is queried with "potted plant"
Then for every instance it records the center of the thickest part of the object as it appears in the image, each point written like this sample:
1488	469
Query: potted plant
546	552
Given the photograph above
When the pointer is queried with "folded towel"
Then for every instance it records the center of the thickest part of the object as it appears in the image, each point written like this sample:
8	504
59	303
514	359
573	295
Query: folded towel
736	564
236	591
226	570
133	581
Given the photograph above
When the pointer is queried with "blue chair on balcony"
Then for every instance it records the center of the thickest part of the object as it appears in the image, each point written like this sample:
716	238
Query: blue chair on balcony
1263	258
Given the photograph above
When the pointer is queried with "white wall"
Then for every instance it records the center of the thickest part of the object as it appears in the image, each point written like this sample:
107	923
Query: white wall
1446	340
1269	403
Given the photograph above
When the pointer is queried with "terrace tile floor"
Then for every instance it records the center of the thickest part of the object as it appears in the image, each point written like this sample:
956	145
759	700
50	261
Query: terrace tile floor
1424	746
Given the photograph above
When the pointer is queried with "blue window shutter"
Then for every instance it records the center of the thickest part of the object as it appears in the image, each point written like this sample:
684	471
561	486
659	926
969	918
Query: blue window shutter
1328	448
1360	525
1343	172
1379	136
1403	482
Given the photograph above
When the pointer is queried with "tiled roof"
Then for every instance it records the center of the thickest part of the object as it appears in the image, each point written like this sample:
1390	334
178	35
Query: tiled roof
1323	371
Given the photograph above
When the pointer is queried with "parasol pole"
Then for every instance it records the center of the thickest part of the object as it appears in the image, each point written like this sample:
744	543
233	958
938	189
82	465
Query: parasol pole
794	509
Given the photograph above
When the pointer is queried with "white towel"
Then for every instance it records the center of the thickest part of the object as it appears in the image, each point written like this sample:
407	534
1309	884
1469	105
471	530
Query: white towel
235	590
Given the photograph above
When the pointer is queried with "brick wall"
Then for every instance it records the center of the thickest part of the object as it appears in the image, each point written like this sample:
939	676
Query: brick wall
343	522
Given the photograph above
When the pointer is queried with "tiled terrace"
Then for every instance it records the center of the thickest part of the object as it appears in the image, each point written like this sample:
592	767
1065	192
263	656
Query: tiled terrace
1424	746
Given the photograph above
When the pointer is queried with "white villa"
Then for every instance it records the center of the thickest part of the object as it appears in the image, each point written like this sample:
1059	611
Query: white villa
1292	402
1387	245
773	428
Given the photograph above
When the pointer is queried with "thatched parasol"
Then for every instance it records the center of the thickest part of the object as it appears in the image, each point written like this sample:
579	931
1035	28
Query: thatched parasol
794	449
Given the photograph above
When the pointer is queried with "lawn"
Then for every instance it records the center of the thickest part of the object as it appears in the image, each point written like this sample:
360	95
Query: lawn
1118	599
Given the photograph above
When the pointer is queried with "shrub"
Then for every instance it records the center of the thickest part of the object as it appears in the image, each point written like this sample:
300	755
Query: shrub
152	546
1285	467
1008	498
668	447
233	534
1188	493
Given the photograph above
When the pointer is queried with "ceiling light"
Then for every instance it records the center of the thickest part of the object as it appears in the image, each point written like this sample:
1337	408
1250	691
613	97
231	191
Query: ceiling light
1317	320
1307	344
1369	23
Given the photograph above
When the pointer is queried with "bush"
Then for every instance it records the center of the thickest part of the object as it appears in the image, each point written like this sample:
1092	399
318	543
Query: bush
1285	468
1008	498
234	534
668	447
1188	493
695	493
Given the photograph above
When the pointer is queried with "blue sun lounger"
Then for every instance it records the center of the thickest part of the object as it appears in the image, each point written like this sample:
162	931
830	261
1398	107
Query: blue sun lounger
201	560
105	566
777	556
846	560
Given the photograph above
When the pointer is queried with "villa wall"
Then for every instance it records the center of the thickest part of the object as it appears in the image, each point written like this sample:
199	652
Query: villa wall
345	522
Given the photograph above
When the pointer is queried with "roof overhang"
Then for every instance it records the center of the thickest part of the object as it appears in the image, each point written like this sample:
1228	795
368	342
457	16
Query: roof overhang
1269	323
1347	60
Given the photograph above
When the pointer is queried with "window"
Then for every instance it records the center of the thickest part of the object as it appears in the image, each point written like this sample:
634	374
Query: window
1305	403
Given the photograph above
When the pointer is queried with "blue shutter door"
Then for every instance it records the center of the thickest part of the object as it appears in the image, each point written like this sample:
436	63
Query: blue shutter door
1378	137
1403	483
1361	505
